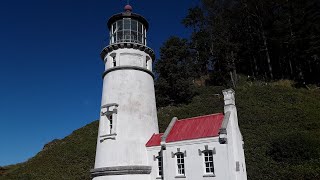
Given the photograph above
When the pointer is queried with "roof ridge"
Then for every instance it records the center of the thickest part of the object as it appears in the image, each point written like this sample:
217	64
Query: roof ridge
155	134
199	116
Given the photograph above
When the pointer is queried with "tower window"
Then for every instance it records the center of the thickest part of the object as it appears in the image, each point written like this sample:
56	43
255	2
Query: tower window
111	123
114	62
180	164
148	63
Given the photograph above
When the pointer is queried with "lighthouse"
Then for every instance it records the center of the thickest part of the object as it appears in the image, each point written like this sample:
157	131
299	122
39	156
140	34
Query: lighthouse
129	145
128	116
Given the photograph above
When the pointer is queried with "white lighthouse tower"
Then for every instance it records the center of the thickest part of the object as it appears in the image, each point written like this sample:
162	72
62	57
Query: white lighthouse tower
128	108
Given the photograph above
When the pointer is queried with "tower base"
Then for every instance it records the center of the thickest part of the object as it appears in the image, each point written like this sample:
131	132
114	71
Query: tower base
122	173
124	177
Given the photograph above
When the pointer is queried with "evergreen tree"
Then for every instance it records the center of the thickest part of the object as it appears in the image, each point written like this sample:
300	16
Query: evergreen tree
269	40
174	72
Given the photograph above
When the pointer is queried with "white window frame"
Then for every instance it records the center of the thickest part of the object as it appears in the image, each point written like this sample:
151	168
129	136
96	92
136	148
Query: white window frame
180	163
108	120
112	60
207	162
148	63
159	160
180	160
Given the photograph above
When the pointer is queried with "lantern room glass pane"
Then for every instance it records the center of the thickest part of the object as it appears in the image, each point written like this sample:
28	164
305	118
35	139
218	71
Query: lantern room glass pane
113	38
134	37
119	25
127	36
126	23
134	25
119	36
140	37
140	28
114	25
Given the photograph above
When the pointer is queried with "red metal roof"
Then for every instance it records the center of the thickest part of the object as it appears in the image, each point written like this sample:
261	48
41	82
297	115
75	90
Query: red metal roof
155	140
196	127
191	128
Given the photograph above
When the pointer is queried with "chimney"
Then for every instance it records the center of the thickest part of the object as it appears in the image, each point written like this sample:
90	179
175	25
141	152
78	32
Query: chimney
229	100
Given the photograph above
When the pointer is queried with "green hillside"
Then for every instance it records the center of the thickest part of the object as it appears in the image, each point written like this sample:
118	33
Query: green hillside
280	126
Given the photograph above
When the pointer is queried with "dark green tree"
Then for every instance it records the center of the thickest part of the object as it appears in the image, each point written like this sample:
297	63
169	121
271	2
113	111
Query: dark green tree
174	72
269	40
311	24
215	25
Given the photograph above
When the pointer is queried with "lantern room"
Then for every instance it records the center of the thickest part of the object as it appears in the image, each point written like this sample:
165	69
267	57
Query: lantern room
128	27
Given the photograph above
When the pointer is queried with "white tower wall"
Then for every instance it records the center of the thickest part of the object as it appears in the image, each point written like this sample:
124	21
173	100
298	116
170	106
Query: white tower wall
128	87
136	121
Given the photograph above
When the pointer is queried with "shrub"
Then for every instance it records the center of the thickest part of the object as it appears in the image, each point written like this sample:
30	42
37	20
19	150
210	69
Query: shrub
292	148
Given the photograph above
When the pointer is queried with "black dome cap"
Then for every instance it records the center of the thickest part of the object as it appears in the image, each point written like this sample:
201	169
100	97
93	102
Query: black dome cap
128	14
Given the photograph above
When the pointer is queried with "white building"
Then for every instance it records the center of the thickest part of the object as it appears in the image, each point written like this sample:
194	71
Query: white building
204	147
129	146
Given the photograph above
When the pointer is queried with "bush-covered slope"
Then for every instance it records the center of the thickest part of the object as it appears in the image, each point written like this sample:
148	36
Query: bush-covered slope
280	126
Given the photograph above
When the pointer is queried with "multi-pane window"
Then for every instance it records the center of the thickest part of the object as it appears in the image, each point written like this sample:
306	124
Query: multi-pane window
180	163
128	30
160	169
208	160
160	166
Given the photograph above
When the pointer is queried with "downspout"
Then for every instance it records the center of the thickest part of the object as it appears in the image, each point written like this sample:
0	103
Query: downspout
163	147
163	142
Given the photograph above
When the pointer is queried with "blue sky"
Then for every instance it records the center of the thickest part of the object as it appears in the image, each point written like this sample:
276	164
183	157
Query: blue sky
50	69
